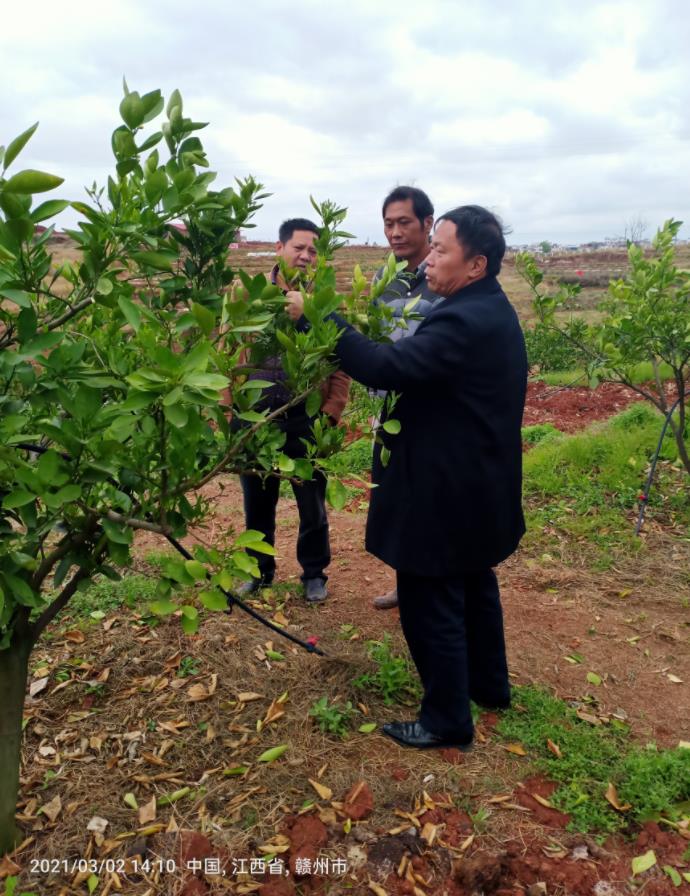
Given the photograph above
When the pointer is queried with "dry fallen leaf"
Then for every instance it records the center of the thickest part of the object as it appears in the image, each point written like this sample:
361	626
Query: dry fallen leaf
674	679
541	800
517	749
428	833
52	809
376	888
612	796
248	696
197	692
147	812
555	749
325	793
37	686
97	824
76	637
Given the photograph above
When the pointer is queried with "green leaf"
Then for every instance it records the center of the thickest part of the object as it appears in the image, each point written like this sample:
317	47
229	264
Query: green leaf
593	678
673	874
132	110
237	770
392	426
130	800
48	209
17	499
92	882
163	607
31	181
214	600
176	414
272	754
205	318
643	863
303	469
196	570
67	495
275	655
190	624
336	493
367	727
18	296
313	403
154	260
17	145
250	537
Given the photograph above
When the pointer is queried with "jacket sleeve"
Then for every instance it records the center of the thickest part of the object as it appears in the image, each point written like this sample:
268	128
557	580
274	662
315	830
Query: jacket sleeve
432	355
337	392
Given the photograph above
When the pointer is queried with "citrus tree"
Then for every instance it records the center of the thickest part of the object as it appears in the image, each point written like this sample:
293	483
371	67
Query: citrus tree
645	317
123	382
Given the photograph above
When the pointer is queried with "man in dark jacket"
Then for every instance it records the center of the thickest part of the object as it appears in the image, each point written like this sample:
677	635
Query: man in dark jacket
295	246
462	378
408	217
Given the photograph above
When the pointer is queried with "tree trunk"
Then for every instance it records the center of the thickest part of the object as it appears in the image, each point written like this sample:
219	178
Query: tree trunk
14	667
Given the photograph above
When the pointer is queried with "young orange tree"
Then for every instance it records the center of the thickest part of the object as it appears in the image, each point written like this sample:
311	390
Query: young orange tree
114	372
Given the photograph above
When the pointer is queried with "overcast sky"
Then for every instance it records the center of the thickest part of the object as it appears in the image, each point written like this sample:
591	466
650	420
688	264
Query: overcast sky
569	119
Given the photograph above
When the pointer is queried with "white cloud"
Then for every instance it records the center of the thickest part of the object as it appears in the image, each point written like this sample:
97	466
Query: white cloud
567	119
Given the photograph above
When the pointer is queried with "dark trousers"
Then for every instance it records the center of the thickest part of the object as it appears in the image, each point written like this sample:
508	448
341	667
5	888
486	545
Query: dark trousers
454	629
260	502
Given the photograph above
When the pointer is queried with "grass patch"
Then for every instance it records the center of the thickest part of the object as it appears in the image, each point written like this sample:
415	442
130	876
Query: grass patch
586	486
332	716
656	783
540	432
392	678
643	373
104	595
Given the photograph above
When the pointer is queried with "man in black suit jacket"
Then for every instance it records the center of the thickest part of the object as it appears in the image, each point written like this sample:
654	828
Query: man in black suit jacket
447	506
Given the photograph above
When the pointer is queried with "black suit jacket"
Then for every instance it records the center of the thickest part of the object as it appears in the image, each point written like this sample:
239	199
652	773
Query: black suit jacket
449	500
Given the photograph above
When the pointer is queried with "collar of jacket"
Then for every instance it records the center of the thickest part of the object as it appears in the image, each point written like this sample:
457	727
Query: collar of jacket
485	285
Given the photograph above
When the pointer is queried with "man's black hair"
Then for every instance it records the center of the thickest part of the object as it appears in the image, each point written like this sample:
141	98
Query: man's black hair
420	201
479	232
287	228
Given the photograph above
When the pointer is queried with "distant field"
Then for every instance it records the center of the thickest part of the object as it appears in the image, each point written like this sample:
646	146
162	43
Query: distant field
593	269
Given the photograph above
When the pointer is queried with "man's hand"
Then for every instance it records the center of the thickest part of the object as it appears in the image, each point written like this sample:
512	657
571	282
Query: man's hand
294	304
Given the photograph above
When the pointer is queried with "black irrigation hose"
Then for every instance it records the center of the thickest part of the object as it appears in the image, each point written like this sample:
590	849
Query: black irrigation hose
232	598
644	497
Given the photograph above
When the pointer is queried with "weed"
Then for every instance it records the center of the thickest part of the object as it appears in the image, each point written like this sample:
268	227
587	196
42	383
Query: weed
104	595
541	432
587	485
655	783
332	717
189	666
158	559
11	888
393	678
480	820
348	631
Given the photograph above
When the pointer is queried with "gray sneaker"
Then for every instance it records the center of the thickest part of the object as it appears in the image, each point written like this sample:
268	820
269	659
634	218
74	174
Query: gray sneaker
315	590
386	601
246	589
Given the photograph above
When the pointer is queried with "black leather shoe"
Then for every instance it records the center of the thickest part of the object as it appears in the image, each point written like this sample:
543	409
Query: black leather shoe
414	734
315	590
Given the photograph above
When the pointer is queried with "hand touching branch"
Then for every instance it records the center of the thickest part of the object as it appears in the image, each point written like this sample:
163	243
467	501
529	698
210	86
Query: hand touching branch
294	304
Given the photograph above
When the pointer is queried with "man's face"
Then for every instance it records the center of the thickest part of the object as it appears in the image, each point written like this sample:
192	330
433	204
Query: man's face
407	236
298	251
448	269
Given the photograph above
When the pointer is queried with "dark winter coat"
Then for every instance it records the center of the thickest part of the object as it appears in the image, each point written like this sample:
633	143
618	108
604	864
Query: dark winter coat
449	499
